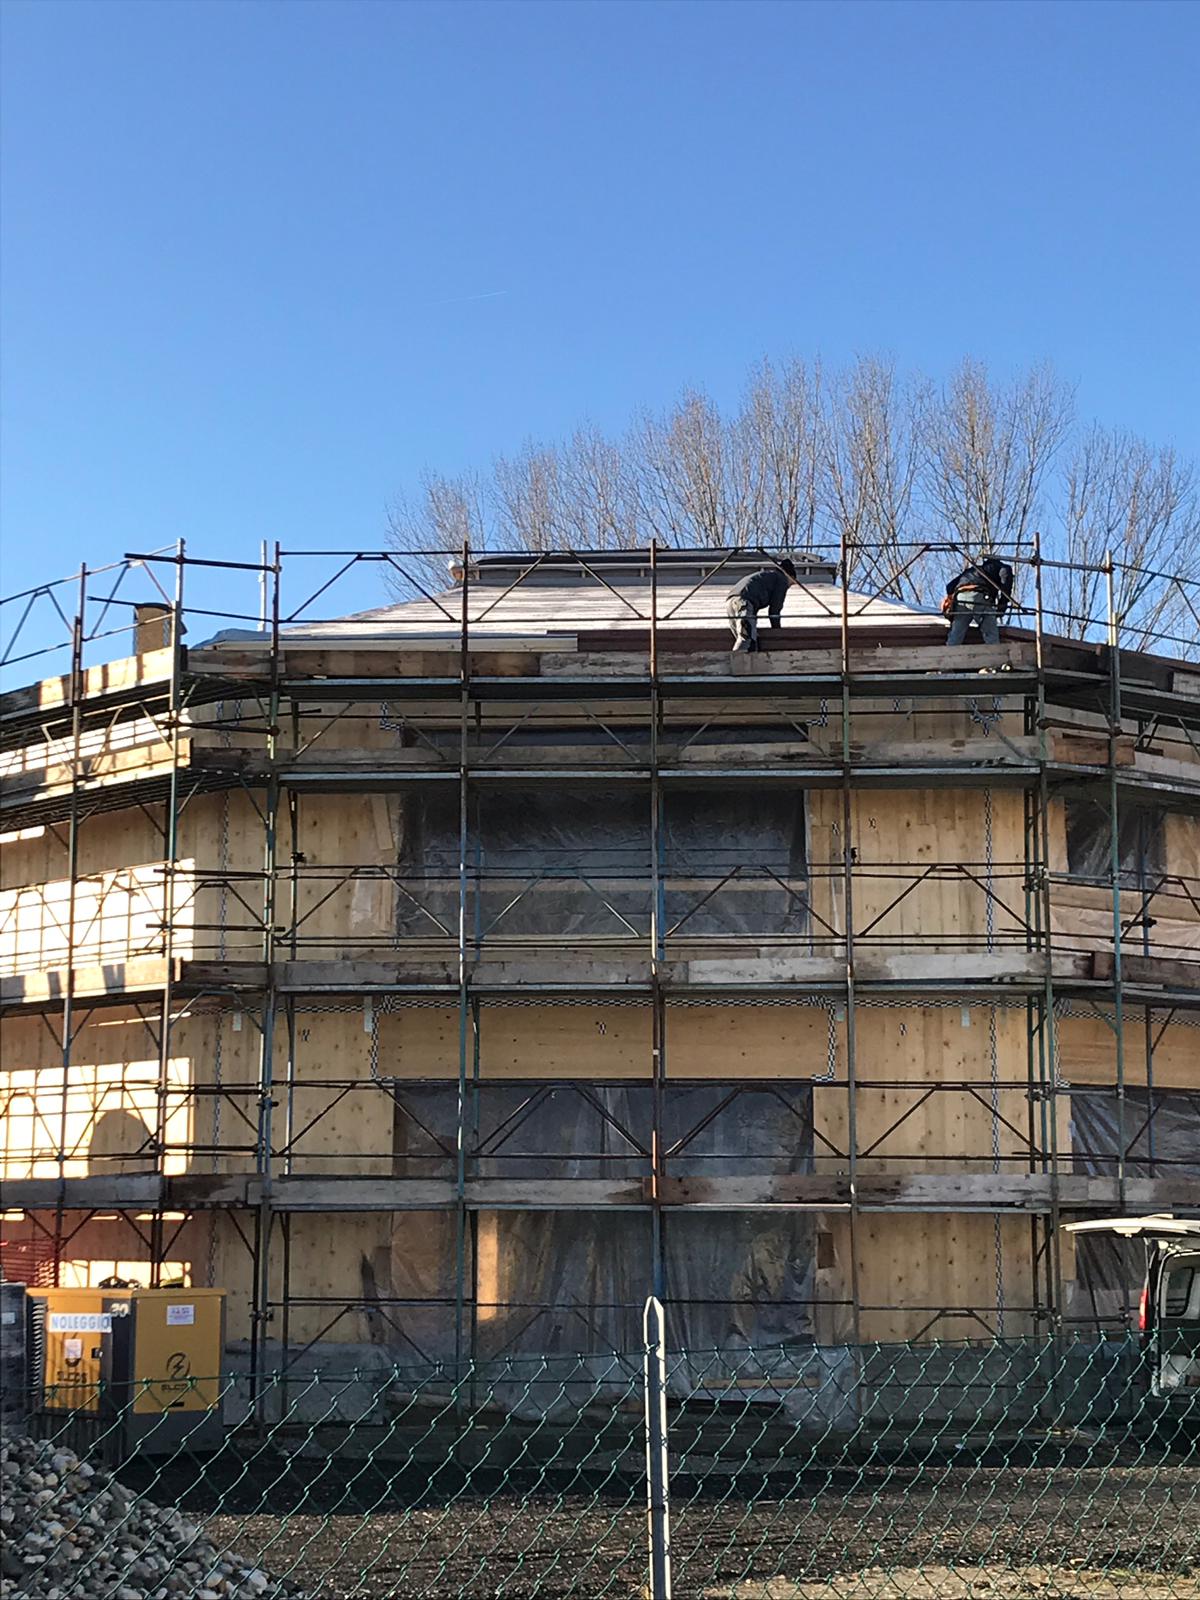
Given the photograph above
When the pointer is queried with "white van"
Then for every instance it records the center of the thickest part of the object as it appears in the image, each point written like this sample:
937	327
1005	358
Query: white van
1169	1312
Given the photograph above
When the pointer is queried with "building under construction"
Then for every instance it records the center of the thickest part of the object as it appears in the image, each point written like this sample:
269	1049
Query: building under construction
448	977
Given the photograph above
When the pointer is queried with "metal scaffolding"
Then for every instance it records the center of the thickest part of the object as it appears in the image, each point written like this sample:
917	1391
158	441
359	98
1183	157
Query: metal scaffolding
281	713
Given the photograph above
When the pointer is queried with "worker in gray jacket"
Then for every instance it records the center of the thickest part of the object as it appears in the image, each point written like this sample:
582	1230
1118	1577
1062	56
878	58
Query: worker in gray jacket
767	587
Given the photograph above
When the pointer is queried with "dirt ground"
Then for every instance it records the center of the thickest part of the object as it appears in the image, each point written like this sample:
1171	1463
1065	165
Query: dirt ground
1004	1534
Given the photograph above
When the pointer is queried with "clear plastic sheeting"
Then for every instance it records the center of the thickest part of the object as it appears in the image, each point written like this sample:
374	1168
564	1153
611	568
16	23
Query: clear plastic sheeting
569	1287
574	863
582	1129
1140	843
572	1284
1162	1140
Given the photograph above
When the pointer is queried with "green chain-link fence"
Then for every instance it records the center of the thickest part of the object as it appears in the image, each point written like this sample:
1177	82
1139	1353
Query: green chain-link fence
1013	1468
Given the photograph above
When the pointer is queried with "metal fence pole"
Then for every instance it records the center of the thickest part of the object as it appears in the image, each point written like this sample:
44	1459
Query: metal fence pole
658	1492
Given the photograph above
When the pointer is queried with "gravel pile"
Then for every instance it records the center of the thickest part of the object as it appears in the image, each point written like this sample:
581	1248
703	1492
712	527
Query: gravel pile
69	1531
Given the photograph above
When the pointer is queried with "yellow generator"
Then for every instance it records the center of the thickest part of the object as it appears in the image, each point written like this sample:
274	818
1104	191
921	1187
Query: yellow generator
145	1362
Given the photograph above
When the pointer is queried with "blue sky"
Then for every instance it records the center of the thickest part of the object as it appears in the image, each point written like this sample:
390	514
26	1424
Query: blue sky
263	262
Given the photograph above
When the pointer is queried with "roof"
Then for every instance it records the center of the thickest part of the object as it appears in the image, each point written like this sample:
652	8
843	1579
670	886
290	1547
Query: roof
533	597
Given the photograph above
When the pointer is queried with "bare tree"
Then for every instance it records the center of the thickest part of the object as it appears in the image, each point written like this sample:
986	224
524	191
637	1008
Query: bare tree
868	456
987	451
1137	502
871	453
528	499
426	531
652	481
598	502
678	470
776	439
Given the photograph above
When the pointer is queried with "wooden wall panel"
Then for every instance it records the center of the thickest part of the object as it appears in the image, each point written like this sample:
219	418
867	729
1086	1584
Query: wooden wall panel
904	1127
899	838
338	913
610	1041
108	841
328	1253
912	1267
910	721
110	1107
121	888
340	1117
112	1093
1087	1051
117	914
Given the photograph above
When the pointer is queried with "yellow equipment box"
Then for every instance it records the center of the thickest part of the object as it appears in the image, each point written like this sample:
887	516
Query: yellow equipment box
177	1339
148	1360
73	1332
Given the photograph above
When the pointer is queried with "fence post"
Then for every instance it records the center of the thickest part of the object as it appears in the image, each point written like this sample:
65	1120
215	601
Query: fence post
658	1493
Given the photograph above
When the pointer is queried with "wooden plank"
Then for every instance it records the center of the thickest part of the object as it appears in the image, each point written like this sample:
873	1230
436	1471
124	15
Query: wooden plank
350	977
867	634
969	966
921	1191
120	1191
597	662
956	1191
127	672
397	657
1022	749
382	763
1148	1195
354	976
97	770
196	1191
818	1190
818	649
1091	750
138	975
931	1191
49	984
360	1194
918	1191
237	666
221	974
968	970
378	1193
915	968
553	967
1148	970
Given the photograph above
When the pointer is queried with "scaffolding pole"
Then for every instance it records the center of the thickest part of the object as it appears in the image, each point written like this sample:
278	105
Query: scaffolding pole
1043	1082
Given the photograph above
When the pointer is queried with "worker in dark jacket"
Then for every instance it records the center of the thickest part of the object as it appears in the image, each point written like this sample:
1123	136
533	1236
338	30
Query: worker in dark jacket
767	587
980	595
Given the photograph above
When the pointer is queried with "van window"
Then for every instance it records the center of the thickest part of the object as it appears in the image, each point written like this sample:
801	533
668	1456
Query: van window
1178	1294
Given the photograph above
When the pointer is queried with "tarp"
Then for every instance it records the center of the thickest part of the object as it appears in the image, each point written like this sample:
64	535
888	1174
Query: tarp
574	1282
1140	842
1162	1139
577	863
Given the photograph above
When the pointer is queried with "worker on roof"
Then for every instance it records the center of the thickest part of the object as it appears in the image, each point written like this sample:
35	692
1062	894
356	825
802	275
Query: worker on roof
767	587
979	596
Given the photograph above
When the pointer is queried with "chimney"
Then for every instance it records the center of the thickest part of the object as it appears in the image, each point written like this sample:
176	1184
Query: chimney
151	627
